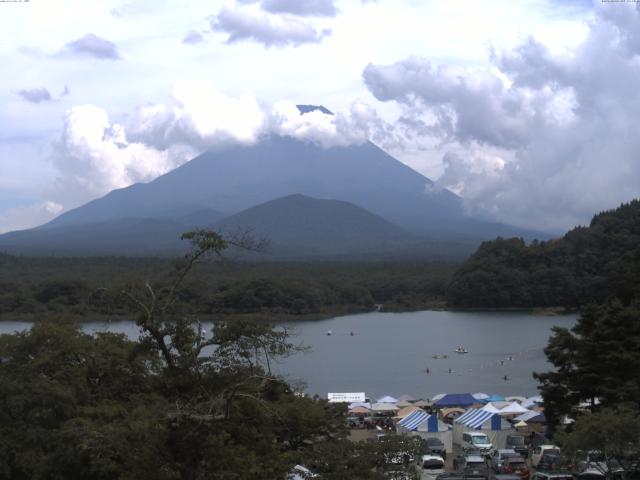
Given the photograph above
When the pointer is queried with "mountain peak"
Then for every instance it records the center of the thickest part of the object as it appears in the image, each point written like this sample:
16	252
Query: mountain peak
312	108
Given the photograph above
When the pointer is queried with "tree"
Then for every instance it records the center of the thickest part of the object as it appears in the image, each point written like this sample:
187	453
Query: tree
179	403
614	433
596	362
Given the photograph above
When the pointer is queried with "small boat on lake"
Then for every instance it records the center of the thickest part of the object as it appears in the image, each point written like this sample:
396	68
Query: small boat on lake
329	333
461	349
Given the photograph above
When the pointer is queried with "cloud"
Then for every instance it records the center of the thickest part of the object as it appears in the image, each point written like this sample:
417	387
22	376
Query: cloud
202	118
193	37
93	156
36	95
538	138
323	8
21	218
271	30
93	46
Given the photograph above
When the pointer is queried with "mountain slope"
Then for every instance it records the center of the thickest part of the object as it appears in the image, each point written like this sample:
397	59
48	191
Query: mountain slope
589	264
301	225
240	177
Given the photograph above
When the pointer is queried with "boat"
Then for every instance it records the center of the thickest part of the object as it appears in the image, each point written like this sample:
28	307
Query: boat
461	349
329	332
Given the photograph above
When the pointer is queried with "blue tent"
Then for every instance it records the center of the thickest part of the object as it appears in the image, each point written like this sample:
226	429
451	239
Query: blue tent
538	419
494	398
456	400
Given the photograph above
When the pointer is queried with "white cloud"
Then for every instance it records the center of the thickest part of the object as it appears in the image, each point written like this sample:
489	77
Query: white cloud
540	138
94	156
21	218
249	22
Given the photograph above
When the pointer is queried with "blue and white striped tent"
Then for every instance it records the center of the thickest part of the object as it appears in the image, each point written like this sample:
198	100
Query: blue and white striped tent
416	418
488	422
476	418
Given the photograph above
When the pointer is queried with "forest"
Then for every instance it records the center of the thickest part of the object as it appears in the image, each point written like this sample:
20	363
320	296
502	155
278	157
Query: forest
589	264
37	287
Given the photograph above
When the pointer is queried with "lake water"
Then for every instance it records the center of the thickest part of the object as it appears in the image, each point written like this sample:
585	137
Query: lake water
390	352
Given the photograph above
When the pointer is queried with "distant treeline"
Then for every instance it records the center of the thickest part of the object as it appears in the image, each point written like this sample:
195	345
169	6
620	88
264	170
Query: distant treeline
33	287
588	265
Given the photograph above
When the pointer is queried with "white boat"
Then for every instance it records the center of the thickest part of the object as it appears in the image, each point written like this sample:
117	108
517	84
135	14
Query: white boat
461	349
329	332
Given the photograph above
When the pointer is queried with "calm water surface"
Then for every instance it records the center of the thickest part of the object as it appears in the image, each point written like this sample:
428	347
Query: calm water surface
390	352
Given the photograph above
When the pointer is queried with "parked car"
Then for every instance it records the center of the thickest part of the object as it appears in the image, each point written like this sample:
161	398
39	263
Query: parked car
560	475
552	460
505	476
515	466
537	452
476	441
429	467
434	446
518	443
497	457
469	460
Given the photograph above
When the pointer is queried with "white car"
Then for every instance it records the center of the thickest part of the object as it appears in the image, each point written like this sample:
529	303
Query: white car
539	451
429	467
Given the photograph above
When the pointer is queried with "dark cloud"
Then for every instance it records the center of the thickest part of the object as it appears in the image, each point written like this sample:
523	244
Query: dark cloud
536	139
36	95
270	30
93	46
324	8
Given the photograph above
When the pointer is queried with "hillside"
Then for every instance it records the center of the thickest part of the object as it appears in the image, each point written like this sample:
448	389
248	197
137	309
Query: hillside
240	177
296	226
301	225
589	264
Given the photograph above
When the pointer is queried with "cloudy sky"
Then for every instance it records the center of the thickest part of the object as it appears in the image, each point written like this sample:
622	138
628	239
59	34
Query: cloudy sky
526	109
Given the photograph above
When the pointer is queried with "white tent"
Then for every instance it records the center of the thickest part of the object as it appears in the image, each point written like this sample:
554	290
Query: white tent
490	423
384	407
526	416
387	399
520	400
532	401
489	407
360	404
513	408
480	396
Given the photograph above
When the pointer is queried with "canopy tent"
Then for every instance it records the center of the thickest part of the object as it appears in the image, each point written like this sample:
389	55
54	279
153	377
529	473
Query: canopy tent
359	411
521	424
490	423
360	404
526	416
520	400
437	397
532	401
513	409
540	418
480	396
387	399
451	412
406	398
422	424
384	407
495	398
403	403
423	403
456	400
490	407
407	411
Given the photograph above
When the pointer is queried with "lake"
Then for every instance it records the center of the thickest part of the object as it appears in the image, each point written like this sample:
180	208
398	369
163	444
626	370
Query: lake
390	352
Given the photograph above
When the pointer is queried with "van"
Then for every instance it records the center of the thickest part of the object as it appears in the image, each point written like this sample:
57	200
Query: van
476	441
537	452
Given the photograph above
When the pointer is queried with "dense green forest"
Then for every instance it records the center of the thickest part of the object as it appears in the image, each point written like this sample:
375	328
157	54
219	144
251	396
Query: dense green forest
589	264
178	403
33	287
